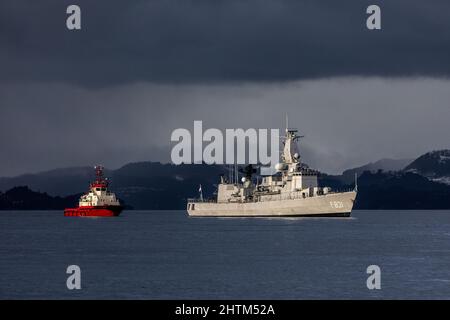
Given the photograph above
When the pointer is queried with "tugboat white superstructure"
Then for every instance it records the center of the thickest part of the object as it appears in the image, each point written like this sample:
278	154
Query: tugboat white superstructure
293	191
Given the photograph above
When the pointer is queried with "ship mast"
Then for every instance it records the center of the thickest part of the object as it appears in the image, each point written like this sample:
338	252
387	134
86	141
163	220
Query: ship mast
290	152
100	181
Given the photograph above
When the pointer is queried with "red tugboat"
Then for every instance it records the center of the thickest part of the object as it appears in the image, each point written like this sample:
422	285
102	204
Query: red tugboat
98	202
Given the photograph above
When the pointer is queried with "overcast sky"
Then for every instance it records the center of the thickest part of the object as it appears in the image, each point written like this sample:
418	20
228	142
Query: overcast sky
114	91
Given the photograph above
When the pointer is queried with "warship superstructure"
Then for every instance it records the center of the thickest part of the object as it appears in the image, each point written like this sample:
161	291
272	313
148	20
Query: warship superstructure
292	191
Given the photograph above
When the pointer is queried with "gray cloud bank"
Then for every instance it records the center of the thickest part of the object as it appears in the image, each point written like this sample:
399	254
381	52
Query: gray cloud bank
347	121
215	41
114	91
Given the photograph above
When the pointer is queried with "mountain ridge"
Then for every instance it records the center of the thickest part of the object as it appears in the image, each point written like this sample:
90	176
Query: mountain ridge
154	185
435	165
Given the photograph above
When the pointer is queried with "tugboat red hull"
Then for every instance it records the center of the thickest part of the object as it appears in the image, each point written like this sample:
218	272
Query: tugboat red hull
97	211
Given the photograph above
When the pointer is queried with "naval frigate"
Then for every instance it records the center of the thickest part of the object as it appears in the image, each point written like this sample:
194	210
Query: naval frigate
292	191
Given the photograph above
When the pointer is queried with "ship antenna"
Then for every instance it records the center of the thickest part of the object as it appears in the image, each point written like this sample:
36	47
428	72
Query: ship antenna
200	192
287	122
231	170
356	182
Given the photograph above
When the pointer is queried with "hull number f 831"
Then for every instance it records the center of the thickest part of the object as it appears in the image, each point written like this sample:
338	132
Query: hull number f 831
336	204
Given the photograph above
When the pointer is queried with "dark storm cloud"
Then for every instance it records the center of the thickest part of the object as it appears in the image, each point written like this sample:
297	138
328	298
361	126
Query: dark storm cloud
215	41
347	122
113	92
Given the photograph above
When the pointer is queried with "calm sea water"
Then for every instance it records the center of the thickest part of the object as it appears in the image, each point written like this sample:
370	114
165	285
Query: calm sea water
167	255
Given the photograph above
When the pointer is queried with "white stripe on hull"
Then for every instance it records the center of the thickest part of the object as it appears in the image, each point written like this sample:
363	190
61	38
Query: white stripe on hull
333	204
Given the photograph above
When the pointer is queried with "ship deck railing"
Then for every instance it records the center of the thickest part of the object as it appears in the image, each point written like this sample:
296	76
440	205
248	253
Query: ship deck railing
274	197
292	196
201	200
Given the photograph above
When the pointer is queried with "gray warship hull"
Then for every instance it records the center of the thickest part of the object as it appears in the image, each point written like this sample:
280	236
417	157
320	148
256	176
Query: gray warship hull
328	205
